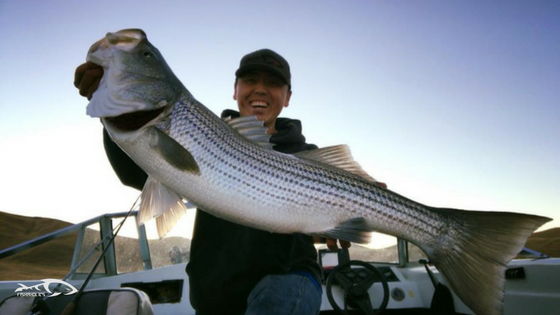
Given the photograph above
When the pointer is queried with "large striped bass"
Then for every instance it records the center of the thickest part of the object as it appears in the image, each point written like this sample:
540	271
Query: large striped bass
228	169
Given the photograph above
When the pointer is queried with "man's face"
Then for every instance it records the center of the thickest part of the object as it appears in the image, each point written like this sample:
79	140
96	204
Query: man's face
262	94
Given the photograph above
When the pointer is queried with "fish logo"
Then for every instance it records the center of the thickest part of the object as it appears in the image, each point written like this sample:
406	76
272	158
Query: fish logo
44	290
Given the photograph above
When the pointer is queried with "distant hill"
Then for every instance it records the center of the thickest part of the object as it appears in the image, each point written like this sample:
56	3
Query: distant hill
52	259
547	242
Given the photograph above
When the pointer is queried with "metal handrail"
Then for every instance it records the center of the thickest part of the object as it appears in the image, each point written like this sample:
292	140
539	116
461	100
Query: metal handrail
105	230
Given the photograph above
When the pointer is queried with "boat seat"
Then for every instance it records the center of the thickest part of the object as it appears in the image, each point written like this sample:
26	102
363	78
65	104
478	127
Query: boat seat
123	301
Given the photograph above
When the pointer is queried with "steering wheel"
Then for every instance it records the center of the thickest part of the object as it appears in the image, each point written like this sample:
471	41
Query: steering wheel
355	283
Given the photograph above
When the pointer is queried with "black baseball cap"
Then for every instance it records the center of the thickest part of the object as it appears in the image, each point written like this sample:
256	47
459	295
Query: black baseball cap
265	59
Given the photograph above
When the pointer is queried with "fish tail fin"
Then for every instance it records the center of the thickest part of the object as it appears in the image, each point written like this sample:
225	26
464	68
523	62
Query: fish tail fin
21	288
473	257
162	203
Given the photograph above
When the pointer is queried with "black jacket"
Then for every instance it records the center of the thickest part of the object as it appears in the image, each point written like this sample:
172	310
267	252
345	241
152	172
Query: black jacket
227	260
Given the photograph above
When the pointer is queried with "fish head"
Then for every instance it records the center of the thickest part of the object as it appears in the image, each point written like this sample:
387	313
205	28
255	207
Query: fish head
136	78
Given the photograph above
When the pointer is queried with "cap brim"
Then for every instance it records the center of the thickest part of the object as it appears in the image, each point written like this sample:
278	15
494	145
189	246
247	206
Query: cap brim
260	67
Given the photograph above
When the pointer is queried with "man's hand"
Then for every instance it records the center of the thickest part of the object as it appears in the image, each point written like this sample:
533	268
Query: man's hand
87	78
332	242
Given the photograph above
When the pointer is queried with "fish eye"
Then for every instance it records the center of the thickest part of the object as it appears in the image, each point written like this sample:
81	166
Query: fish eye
147	54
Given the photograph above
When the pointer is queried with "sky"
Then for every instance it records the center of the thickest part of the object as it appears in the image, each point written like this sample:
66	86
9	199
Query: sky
451	103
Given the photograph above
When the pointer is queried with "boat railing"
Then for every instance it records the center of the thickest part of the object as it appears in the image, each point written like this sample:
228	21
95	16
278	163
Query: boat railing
105	223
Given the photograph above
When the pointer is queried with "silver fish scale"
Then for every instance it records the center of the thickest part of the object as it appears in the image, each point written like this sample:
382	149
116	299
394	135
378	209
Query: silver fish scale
320	196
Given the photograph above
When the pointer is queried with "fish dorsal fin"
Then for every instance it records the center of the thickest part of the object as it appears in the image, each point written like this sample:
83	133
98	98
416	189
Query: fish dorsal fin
337	156
251	128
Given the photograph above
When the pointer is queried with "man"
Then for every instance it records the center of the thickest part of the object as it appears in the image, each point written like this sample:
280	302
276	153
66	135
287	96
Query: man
235	269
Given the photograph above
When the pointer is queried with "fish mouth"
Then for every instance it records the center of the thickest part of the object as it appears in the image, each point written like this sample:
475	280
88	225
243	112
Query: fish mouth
125	40
133	121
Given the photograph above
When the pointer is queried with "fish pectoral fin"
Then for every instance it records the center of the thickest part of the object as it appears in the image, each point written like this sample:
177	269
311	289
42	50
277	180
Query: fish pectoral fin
354	230
338	156
251	128
173	152
162	203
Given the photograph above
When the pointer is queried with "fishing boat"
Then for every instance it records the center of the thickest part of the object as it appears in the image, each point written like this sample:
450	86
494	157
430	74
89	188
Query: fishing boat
137	274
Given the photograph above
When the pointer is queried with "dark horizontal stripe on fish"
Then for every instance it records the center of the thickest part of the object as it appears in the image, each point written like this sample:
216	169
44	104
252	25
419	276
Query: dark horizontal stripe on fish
383	198
383	203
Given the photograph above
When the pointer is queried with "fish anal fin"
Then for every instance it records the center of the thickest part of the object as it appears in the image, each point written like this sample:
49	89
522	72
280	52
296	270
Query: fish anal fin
252	129
173	152
338	156
168	219
162	203
354	230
